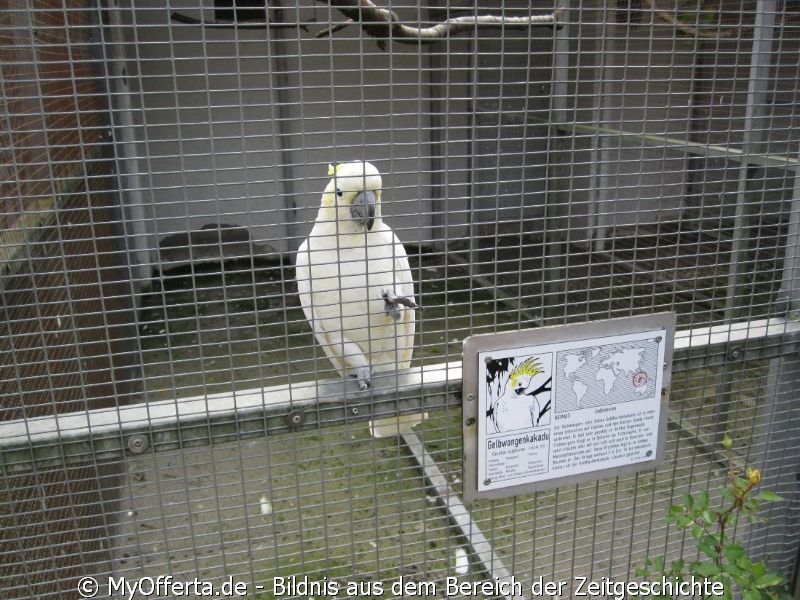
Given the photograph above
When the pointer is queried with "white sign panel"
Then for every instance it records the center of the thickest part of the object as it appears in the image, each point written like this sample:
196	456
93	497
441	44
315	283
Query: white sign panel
557	410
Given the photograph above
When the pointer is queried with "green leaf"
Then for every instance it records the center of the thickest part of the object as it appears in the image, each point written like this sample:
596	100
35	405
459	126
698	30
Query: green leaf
751	595
702	500
708	546
734	570
768	496
744	562
705	569
683	521
751	505
677	566
769	580
658	564
734	552
726	593
675	510
759	569
697	532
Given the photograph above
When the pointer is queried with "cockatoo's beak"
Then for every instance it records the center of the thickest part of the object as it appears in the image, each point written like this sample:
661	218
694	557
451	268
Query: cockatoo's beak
363	208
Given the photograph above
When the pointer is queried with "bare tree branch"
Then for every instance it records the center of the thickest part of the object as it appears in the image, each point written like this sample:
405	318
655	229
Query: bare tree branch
228	24
672	19
333	29
383	23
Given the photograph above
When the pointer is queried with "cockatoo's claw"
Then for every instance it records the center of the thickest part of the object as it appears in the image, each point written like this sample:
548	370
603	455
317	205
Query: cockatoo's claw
364	376
393	302
390	307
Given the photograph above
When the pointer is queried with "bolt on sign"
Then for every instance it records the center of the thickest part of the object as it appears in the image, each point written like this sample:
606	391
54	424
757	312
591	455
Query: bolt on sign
559	405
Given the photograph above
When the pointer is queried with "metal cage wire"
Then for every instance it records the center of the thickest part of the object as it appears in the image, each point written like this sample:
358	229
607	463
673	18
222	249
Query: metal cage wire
165	408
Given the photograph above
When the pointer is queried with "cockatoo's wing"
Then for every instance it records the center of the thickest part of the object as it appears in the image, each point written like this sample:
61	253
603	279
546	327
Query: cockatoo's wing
303	277
345	355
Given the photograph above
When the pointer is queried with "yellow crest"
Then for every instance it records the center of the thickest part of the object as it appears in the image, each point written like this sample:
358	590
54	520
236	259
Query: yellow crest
334	169
530	366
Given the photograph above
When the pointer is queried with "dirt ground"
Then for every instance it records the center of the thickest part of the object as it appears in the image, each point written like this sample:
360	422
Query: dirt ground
334	506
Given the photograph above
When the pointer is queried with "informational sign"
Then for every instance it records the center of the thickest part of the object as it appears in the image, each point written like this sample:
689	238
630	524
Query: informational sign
557	405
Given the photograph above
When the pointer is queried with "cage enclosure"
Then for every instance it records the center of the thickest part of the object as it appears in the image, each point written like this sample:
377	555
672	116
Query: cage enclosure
165	406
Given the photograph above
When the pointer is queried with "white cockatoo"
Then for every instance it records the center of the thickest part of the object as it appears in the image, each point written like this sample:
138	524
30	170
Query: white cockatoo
354	278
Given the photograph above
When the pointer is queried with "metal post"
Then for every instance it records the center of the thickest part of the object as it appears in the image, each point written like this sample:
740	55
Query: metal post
278	44
757	90
136	205
790	288
555	242
760	62
776	455
596	229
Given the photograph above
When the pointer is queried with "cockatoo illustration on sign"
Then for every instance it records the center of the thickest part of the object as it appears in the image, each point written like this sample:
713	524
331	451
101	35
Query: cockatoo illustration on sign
525	400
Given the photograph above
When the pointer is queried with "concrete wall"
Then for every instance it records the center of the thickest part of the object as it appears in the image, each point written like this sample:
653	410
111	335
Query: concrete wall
628	72
237	126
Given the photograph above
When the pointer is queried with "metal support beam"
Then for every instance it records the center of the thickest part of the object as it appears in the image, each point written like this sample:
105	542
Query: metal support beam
459	514
790	284
110	433
663	142
556	197
752	141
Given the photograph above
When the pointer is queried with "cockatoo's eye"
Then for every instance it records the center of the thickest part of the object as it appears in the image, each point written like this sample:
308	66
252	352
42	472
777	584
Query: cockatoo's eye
339	192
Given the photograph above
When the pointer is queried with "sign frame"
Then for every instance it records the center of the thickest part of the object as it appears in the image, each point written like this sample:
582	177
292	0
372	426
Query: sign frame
475	426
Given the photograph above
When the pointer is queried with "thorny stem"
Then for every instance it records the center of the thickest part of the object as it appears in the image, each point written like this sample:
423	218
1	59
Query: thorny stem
738	505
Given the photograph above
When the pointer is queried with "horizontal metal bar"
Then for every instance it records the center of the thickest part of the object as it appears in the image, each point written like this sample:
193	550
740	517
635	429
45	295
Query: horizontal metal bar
109	433
674	143
704	347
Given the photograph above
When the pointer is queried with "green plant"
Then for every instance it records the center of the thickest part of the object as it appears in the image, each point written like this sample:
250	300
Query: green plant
723	559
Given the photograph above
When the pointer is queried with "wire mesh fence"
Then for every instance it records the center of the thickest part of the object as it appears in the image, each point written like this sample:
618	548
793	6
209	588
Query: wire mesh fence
173	410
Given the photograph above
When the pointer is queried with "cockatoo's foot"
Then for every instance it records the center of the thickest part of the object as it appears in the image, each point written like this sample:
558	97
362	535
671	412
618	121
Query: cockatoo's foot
393	302
364	377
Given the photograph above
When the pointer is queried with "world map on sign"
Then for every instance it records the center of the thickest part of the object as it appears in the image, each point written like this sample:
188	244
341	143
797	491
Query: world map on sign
608	374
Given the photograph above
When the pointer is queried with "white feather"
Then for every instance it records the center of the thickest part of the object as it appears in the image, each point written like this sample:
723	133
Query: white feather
462	562
265	505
